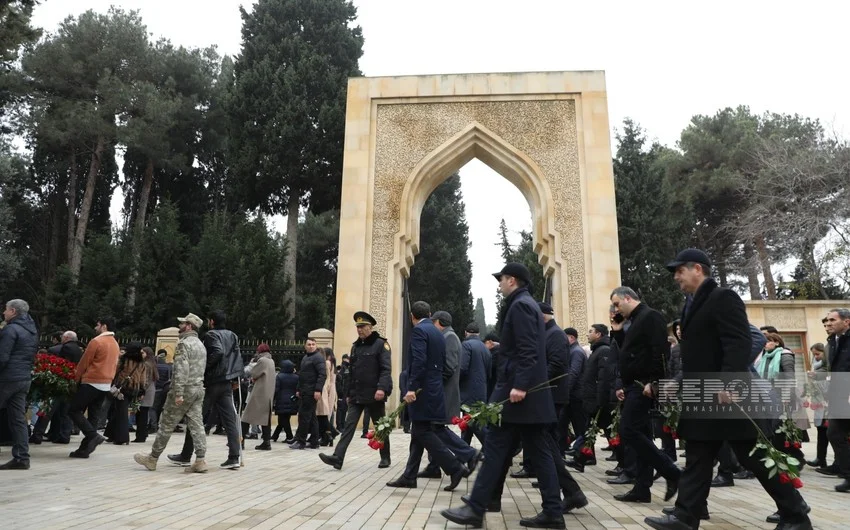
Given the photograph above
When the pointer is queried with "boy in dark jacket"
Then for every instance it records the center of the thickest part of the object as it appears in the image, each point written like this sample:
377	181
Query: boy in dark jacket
285	402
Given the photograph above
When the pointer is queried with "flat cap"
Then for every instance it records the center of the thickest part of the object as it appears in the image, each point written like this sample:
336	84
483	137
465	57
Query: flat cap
517	270
689	255
571	332
545	308
443	316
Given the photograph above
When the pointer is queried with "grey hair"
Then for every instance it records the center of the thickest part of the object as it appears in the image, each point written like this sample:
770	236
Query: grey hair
843	313
623	291
20	306
69	335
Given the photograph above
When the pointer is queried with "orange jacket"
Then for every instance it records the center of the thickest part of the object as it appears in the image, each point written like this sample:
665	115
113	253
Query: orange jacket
100	360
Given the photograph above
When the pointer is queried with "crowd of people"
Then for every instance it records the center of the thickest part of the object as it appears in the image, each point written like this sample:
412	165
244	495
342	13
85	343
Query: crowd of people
552	394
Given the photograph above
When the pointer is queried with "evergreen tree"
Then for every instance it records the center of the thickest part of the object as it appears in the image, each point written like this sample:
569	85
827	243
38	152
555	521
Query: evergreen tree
288	109
317	266
15	32
480	317
652	226
524	254
442	274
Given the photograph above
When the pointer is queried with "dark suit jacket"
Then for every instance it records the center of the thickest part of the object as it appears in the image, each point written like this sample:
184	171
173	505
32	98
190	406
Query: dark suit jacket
425	373
557	359
522	361
715	339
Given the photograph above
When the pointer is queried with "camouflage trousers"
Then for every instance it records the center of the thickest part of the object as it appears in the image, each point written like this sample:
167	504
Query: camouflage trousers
172	413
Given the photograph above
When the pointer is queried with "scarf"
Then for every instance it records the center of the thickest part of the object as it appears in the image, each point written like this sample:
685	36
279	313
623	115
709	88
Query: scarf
769	365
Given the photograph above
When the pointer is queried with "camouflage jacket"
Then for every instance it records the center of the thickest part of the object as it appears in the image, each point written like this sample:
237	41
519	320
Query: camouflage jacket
190	360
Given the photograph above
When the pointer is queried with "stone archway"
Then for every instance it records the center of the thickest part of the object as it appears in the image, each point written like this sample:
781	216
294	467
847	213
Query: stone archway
547	133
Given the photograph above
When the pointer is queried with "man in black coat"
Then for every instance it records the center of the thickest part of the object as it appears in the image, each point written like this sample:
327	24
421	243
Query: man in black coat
427	408
526	415
838	393
343	383
311	382
474	371
642	352
592	386
368	386
716	343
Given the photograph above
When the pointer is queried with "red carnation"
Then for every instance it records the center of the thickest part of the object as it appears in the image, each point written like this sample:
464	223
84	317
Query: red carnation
787	444
463	425
379	444
784	478
797	483
370	435
456	420
666	428
674	435
797	445
826	423
467	417
373	444
806	404
41	414
614	442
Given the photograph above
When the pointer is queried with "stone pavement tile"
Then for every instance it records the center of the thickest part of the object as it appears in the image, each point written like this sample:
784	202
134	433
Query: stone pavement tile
289	489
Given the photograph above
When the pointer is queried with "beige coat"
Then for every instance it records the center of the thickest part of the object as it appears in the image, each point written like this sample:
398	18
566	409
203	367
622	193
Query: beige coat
327	404
258	409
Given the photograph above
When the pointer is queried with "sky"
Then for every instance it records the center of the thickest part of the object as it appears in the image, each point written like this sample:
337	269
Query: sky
665	61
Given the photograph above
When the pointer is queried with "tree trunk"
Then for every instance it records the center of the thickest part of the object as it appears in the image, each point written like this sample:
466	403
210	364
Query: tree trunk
289	263
764	260
752	271
57	200
76	254
723	274
138	232
72	203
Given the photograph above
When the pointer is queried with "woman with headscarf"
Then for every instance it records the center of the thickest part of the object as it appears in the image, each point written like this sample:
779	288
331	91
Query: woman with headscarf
327	404
131	380
143	415
258	409
285	402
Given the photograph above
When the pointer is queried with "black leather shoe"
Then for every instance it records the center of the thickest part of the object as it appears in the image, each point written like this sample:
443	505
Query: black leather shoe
612	458
744	475
830	471
464	515
622	479
544	520
573	503
91	445
385	462
774	518
572	464
79	453
16	464
802	524
179	460
816	463
591	462
473	462
667	522
523	473
265	446
459	475
429	474
36	439
331	460
297	444
616	472
672	487
492	506
402	482
844	487
535	484
632	496
722	481
670	510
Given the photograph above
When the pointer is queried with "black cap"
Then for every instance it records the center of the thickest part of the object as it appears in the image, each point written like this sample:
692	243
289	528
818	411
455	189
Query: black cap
517	270
362	318
545	308
444	317
345	357
689	255
472	327
571	331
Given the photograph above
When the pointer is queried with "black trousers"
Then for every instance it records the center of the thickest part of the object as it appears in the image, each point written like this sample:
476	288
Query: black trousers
838	431
307	422
695	482
454	443
61	425
282	425
366	421
423	437
341	411
118	427
142	424
635	431
265	429
219	397
87	397
537	448
823	443
729	464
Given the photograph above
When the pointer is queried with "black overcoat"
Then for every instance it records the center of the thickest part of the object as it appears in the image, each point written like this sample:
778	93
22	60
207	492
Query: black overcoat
371	369
521	362
715	339
557	358
425	373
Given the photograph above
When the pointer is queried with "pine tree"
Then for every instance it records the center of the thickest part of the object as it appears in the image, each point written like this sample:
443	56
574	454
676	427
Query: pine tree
442	274
480	317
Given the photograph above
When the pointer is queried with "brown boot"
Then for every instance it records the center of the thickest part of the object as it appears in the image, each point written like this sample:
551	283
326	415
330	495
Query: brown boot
198	466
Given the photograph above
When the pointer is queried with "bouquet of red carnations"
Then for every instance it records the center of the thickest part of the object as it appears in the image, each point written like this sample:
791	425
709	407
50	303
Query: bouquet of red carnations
52	377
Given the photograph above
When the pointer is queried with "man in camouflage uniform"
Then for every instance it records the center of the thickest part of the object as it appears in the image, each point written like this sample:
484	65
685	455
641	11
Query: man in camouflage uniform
185	398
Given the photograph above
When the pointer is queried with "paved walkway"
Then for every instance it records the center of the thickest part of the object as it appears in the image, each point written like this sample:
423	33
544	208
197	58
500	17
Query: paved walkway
290	489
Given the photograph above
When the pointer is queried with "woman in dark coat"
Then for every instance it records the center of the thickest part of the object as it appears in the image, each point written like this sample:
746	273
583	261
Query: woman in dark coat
129	384
285	404
143	416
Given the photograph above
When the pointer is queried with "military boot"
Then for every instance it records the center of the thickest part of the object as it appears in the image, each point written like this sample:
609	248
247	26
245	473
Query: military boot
198	466
146	460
